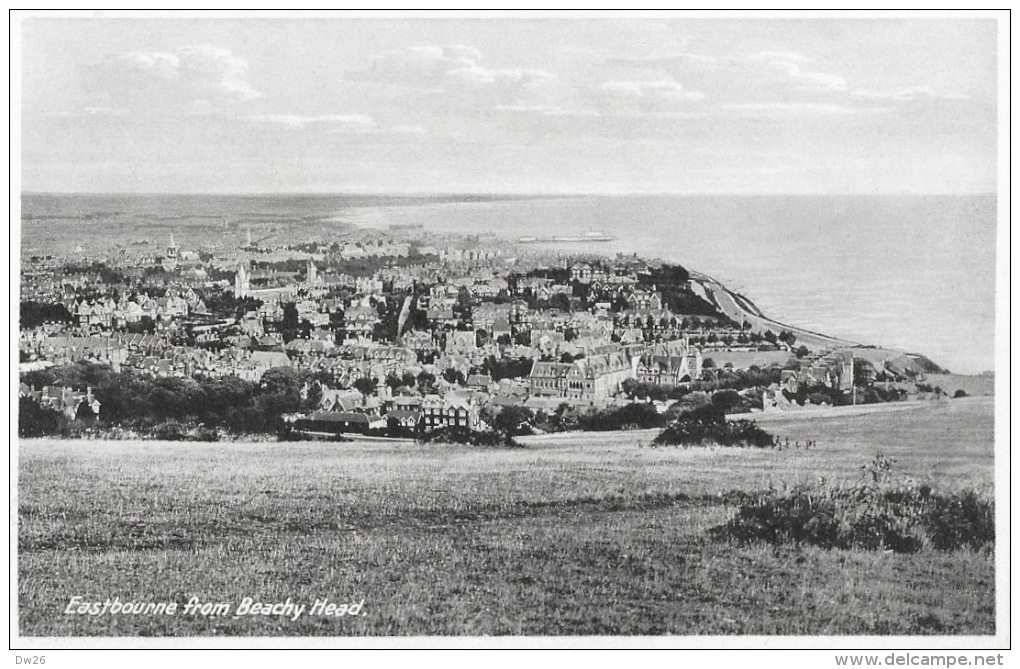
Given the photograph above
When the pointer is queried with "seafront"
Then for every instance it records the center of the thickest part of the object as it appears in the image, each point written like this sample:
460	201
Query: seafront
741	309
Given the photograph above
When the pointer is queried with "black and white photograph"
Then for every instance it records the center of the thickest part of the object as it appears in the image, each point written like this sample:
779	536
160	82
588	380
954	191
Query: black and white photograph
522	328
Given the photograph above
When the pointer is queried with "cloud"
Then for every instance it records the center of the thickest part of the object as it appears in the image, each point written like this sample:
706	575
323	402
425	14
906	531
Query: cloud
92	111
446	67
352	122
787	109
908	94
477	75
790	64
181	78
634	97
663	89
545	110
405	130
761	74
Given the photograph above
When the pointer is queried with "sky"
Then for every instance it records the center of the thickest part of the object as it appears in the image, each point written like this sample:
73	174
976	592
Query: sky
624	105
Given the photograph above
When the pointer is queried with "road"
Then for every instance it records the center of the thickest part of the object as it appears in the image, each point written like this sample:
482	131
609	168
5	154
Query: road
727	302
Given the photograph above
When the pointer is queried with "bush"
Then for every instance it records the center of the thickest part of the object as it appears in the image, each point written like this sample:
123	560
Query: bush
877	514
469	437
960	393
170	430
635	416
205	433
708	425
726	399
35	420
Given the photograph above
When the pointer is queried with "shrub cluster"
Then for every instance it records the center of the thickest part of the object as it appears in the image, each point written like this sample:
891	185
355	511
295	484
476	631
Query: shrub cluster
173	430
708	425
880	514
469	437
634	416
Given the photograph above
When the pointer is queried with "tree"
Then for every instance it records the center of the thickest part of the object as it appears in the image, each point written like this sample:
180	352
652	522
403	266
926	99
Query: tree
313	398
426	382
708	363
726	399
37	421
290	323
514	421
365	385
34	314
281	381
818	398
84	412
452	375
694	400
629	386
864	373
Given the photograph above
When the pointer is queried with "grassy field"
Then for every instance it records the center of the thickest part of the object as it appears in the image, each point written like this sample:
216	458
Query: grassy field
573	535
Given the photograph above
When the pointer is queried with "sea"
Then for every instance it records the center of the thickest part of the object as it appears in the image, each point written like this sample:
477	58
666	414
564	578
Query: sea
909	272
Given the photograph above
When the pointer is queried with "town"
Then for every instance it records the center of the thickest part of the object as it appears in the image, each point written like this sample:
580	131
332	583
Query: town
398	333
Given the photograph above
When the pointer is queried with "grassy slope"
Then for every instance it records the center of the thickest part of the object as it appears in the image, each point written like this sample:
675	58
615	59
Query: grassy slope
581	536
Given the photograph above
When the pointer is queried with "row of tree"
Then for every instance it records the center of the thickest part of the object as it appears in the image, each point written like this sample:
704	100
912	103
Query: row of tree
132	399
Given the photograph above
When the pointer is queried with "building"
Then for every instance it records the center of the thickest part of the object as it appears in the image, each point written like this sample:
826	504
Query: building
590	379
361	320
328	423
549	379
172	256
62	399
242	282
670	364
581	273
461	341
450	411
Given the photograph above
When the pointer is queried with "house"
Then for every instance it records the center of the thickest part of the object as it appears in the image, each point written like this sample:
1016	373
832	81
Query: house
485	316
461	341
62	399
360	320
269	359
581	273
404	419
339	423
546	340
340	400
406	403
501	328
450	411
479	381
644	300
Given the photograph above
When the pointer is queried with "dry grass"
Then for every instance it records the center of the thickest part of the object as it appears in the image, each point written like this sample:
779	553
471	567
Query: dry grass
589	534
